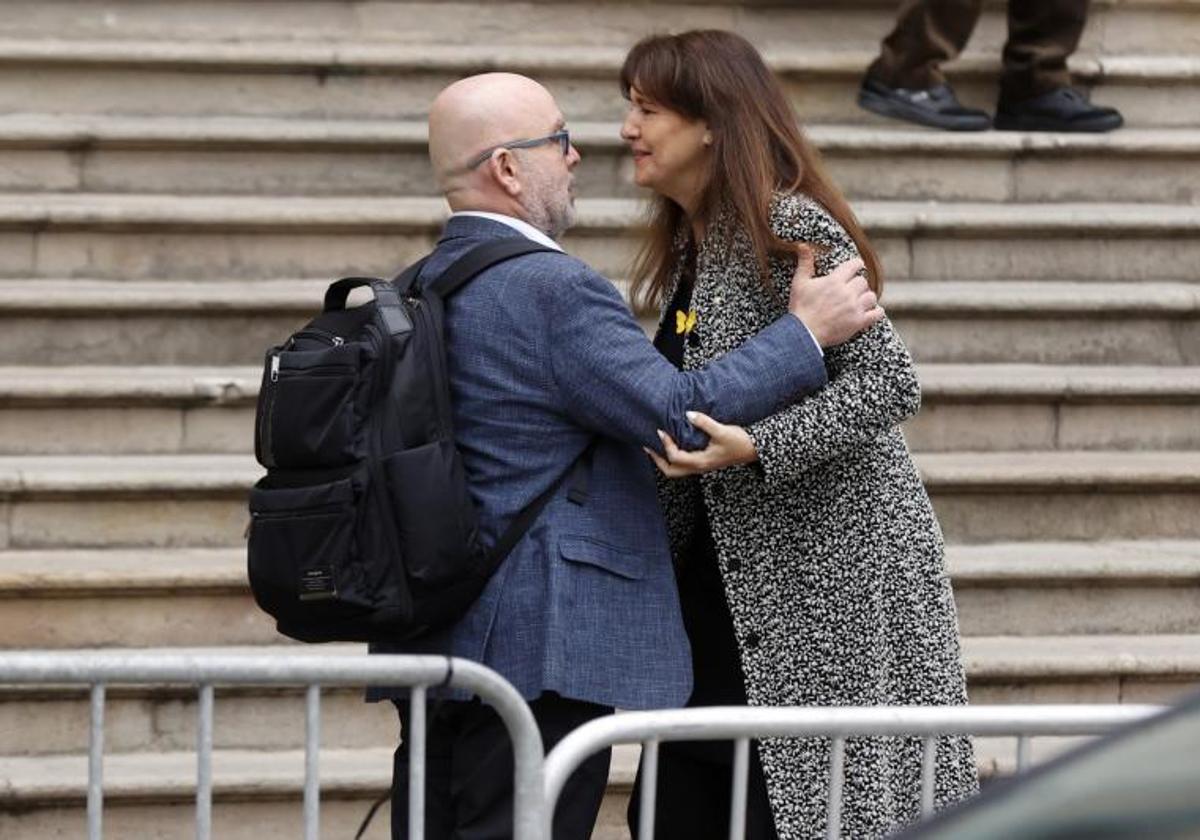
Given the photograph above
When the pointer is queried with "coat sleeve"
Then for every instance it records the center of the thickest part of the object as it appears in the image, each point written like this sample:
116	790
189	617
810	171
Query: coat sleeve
872	384
615	382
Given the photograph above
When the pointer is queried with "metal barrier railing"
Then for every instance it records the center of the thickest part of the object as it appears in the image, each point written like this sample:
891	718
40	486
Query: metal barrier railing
313	671
838	724
538	779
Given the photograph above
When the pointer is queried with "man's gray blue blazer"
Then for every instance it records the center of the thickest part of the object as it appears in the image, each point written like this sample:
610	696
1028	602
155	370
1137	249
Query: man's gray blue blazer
544	358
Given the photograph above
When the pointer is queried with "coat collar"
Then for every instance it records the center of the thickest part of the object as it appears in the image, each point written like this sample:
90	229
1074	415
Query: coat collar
475	227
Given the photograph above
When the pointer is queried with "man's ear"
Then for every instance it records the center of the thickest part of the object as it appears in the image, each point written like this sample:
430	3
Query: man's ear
505	169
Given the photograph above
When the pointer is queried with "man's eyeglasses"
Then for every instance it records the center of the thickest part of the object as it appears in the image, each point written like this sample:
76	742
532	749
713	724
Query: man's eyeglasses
563	138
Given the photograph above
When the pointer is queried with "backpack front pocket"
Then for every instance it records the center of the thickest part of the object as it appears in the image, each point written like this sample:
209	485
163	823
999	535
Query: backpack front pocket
435	514
303	561
308	414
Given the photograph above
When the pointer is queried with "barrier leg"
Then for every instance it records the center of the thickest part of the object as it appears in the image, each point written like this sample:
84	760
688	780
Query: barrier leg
95	795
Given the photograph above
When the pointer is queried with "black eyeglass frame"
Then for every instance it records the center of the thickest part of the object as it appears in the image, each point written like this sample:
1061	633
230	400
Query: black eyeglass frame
562	136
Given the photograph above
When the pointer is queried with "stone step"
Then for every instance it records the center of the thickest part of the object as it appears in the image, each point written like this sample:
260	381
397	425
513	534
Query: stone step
1048	322
72	322
53	720
138	237
1081	669
1039	407
1051	589
55	598
111	410
121	598
153	794
262	156
1000	496
1113	26
99	500
163	719
271	77
84	501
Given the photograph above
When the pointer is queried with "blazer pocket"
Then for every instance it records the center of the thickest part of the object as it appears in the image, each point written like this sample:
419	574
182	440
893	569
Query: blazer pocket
626	564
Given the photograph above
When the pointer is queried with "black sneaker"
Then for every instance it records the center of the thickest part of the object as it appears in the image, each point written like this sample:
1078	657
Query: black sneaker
936	106
1062	109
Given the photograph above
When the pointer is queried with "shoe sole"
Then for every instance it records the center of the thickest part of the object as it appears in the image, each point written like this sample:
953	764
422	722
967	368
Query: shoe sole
884	107
1035	123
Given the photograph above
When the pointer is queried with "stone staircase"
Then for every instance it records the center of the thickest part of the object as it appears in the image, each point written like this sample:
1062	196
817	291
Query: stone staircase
179	181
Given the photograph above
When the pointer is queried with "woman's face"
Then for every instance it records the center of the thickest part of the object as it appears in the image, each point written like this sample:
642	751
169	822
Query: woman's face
669	150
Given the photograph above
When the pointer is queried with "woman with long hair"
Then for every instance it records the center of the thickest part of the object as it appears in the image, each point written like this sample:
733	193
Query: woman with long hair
810	561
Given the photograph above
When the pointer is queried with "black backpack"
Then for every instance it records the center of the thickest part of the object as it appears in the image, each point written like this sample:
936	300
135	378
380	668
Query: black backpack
363	528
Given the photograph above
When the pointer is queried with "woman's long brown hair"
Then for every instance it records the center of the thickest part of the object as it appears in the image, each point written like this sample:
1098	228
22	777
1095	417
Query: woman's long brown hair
757	149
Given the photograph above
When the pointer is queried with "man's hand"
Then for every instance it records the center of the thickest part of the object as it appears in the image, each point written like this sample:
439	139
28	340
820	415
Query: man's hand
836	307
727	446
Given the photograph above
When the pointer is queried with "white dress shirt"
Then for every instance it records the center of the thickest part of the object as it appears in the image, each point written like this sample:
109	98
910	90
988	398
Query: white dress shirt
519	225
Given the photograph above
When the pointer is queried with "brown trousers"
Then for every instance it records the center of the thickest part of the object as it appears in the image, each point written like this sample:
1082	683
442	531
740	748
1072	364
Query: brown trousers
1041	34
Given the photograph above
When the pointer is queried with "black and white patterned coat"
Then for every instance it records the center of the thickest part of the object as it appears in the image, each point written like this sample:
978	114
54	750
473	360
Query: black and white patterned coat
830	551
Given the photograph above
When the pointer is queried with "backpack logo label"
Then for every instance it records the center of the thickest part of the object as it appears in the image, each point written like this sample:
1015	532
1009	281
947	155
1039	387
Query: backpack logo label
317	585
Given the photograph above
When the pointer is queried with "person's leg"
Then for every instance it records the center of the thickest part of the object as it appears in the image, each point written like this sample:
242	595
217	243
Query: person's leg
441	724
1036	92
692	797
469	772
694	793
581	797
1041	36
906	81
927	34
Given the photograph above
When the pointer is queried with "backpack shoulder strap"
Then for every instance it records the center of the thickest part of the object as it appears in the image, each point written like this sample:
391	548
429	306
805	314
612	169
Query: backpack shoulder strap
464	269
405	280
579	475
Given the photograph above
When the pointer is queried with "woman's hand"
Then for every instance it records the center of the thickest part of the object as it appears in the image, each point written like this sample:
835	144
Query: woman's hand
727	447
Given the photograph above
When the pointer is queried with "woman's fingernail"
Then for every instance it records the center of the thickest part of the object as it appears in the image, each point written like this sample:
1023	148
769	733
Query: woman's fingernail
691	416
661	435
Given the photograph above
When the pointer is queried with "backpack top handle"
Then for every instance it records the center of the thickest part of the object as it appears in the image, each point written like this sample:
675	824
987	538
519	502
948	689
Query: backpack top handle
336	294
387	301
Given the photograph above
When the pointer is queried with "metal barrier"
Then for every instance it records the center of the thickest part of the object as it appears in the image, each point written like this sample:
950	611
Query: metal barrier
538	779
312	670
744	723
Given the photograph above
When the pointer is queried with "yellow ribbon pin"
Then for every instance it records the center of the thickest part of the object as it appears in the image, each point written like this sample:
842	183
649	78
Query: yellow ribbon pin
685	322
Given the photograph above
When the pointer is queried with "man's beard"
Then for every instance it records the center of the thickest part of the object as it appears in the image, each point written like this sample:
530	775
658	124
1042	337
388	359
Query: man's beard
551	209
562	216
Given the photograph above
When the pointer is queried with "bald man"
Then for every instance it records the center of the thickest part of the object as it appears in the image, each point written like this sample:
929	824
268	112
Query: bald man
476	121
546	363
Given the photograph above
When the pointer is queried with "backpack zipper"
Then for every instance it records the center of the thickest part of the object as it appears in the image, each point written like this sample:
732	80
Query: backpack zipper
264	433
320	334
316	370
332	507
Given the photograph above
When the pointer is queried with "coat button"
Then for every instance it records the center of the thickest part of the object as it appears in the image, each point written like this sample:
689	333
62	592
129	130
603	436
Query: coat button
693	339
734	564
752	640
718	492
